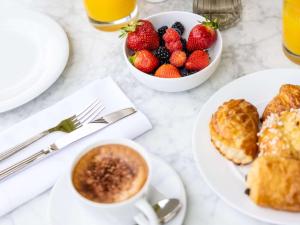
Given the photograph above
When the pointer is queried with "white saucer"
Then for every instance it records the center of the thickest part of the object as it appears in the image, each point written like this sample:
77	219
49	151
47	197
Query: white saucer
34	52
65	210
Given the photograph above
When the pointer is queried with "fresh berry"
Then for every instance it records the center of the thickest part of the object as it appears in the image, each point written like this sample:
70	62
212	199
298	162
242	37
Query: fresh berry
183	42
177	30
145	61
172	40
184	72
140	35
171	35
179	27
178	58
174	46
167	71
161	42
163	54
197	60
202	36
161	31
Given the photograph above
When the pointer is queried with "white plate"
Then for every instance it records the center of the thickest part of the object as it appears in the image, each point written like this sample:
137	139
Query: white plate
226	179
65	210
34	52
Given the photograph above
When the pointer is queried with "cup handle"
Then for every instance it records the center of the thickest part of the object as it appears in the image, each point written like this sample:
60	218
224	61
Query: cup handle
140	219
150	217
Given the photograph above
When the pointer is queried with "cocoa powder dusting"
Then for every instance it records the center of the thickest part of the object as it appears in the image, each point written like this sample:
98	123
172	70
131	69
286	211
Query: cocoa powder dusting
108	177
110	173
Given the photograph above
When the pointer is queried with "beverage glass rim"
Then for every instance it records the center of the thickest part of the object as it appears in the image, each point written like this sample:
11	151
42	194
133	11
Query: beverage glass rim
119	141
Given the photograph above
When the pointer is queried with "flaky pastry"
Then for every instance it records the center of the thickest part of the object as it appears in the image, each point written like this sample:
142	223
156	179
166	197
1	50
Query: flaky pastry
280	135
274	182
233	130
288	98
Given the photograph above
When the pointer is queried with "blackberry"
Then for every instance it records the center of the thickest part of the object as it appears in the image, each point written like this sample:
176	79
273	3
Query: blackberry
183	42
161	31
177	30
184	72
179	27
163	54
161	42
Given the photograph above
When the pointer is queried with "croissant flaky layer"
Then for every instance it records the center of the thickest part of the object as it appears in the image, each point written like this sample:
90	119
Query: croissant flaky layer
233	130
274	182
287	98
280	135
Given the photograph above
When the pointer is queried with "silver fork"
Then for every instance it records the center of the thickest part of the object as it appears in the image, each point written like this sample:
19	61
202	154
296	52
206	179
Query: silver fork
67	125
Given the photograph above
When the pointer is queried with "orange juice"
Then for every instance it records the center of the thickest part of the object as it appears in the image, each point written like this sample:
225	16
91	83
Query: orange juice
110	15
291	29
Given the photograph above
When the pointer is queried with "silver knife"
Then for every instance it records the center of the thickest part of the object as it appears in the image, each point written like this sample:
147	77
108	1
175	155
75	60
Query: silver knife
67	140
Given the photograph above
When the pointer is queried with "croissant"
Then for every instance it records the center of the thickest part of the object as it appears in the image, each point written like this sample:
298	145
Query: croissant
233	130
274	182
288	98
280	135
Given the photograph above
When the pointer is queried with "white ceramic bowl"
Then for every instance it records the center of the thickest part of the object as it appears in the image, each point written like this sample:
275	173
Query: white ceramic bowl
189	20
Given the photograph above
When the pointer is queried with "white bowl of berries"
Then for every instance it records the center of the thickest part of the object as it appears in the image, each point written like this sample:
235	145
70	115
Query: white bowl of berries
172	51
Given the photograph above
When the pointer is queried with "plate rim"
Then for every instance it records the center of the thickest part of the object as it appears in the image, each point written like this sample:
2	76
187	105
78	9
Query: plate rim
194	148
33	92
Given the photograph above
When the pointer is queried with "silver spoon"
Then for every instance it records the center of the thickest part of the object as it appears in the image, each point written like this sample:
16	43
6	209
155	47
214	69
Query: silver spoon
167	209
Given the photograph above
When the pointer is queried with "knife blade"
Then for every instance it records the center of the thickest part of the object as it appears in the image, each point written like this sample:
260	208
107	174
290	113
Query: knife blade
91	128
84	131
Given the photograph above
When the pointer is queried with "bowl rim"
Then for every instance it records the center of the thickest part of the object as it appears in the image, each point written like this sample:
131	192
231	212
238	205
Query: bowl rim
218	55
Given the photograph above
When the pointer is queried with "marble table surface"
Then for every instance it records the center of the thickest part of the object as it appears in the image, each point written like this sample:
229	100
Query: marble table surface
254	44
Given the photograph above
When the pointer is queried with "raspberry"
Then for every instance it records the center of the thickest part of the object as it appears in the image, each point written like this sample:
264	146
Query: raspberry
171	35
174	45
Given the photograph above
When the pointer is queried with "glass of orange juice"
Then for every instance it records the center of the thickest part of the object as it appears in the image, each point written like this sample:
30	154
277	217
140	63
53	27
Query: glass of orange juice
291	29
110	15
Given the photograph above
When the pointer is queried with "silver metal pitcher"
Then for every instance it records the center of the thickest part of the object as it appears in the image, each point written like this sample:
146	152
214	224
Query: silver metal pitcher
227	12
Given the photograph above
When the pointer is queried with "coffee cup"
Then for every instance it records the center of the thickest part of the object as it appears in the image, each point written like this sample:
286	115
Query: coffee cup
110	179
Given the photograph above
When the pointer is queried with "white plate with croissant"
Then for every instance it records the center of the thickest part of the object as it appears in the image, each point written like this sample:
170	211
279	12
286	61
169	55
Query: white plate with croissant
247	145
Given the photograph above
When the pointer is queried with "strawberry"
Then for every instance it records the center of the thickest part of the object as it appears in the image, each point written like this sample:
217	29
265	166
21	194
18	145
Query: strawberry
144	60
198	60
178	58
202	36
140	35
172	40
167	71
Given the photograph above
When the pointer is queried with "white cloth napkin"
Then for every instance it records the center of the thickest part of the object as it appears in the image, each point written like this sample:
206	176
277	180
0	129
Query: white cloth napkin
29	183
